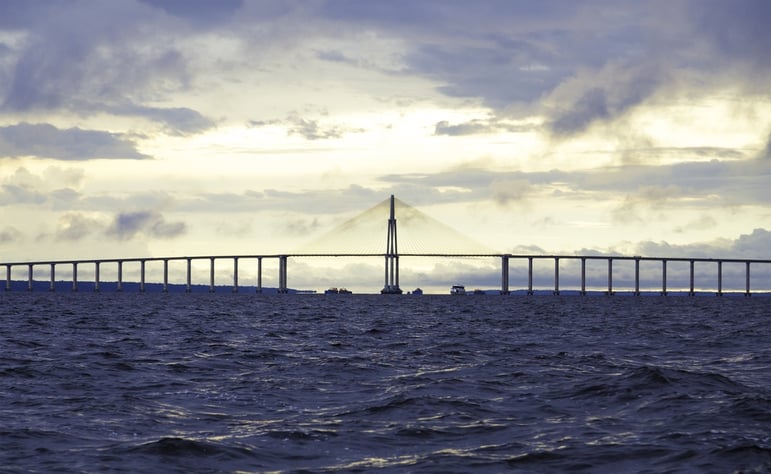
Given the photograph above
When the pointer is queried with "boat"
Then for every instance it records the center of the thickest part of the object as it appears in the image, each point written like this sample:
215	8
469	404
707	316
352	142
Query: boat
337	291
458	290
417	291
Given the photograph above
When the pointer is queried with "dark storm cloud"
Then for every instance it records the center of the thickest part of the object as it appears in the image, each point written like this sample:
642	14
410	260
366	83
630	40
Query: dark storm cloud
735	29
591	61
200	12
151	223
111	57
47	141
19	13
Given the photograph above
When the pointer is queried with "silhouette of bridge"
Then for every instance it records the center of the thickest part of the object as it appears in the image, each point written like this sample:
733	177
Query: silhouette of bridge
392	258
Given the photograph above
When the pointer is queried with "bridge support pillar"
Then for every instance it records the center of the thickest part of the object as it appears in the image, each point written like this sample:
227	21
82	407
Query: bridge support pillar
664	277
211	275
259	274
235	274
165	275
142	276
637	276
29	277
610	277
188	286
74	276
120	275
691	291
529	275
556	275
747	276
8	278
282	287
53	278
505	274
720	278
96	276
583	276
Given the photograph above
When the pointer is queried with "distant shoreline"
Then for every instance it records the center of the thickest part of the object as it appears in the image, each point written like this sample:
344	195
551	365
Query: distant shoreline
65	286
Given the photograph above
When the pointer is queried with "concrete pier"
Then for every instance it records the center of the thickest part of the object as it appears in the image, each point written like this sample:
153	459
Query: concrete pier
211	275
637	276
142	276
282	277
259	275
505	274
165	275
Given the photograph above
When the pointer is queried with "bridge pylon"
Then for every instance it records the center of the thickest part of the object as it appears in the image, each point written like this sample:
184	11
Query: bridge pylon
391	286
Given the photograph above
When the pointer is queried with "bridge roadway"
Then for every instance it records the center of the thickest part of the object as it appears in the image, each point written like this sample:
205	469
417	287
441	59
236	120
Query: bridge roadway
282	264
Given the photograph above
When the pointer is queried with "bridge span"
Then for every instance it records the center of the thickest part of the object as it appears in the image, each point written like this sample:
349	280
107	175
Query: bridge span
392	258
392	270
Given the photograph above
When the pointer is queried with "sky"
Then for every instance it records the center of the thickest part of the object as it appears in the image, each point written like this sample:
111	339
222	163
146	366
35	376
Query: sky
136	128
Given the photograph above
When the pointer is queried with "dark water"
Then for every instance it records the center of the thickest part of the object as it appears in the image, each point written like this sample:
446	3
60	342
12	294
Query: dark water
212	383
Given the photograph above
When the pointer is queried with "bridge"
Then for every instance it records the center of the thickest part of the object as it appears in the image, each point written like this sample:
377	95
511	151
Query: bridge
392	258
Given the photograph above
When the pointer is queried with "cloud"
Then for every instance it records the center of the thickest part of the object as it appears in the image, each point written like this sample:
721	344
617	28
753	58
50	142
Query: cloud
755	245
601	95
9	234
309	129
542	52
176	120
128	225
75	226
735	30
695	185
114	58
766	153
199	12
478	127
47	141
302	227
14	194
507	191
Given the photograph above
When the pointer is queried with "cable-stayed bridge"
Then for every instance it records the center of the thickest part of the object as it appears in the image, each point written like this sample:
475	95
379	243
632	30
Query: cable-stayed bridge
419	236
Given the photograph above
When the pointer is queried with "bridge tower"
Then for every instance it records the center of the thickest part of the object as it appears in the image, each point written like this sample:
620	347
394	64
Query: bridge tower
391	286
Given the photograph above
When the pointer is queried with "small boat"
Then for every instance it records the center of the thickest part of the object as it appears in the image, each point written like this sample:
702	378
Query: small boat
458	290
337	291
417	291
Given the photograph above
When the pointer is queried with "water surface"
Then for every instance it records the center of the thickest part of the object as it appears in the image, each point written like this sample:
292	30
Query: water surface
213	382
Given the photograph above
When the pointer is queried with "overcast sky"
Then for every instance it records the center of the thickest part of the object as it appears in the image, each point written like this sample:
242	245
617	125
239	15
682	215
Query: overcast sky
187	127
